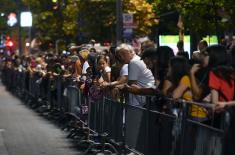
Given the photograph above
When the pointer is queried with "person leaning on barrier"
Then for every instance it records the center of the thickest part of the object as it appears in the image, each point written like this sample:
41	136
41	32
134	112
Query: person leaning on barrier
222	85
122	78
221	77
104	69
214	71
75	59
68	67
138	74
177	83
199	77
79	61
178	86
150	58
157	60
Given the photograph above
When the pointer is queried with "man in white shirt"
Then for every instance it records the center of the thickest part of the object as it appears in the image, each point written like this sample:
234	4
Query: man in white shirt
138	73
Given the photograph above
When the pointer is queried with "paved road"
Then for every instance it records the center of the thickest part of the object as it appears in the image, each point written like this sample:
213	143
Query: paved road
23	132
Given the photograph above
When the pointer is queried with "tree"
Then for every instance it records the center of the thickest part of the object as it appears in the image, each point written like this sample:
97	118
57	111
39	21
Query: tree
201	17
54	20
144	15
97	19
87	19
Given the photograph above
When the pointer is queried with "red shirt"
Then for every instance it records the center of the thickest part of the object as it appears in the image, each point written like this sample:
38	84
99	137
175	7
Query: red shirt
222	86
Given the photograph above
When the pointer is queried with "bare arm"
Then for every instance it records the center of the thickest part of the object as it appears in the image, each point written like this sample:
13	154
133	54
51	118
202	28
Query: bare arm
109	76
130	82
214	96
178	92
215	100
135	89
166	85
121	80
78	69
196	90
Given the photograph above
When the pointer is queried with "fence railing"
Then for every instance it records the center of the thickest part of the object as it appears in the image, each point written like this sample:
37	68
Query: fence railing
122	127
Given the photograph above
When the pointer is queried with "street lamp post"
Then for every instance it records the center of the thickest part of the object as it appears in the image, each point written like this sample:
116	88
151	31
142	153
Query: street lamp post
19	27
119	24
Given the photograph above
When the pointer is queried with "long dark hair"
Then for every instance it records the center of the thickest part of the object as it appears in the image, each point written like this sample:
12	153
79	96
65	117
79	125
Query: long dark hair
165	53
219	63
217	56
232	54
179	68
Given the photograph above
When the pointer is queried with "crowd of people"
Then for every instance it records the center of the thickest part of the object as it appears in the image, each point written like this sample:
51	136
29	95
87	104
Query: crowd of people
208	77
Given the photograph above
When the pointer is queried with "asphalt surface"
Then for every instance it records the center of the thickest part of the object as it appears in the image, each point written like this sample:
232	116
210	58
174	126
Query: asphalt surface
23	132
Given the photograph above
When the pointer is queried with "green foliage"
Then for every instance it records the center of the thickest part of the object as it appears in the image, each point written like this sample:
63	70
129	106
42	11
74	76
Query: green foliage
201	17
8	6
144	15
97	19
93	19
54	20
70	14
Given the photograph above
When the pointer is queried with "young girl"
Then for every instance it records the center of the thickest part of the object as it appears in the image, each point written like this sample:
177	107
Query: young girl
177	82
179	86
104	69
221	77
222	86
103	78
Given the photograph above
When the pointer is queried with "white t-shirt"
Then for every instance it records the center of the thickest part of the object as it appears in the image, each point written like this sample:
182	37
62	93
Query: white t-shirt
104	73
138	71
84	67
107	69
124	70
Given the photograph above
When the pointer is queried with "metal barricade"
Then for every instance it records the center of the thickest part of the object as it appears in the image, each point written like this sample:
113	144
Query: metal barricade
73	100
136	127
150	132
95	118
22	86
229	135
113	119
59	93
140	129
200	138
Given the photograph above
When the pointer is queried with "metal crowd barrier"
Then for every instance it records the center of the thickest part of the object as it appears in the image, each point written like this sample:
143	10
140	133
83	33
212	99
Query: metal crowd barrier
121	127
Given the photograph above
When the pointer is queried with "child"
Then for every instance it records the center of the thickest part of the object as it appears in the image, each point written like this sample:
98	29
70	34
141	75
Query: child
104	69
179	86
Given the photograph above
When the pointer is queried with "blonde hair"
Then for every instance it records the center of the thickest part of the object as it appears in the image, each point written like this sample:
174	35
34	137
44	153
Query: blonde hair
38	60
84	54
